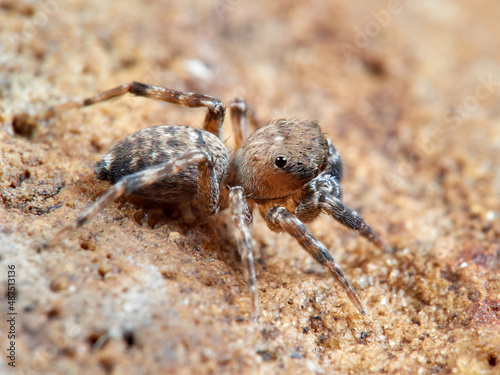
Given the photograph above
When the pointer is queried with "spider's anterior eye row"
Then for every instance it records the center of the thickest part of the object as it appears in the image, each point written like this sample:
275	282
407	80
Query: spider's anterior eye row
280	162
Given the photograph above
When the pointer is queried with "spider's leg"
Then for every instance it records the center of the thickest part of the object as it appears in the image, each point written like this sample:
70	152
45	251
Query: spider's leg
308	209
350	218
288	222
208	189
213	120
239	120
241	216
324	195
241	115
131	183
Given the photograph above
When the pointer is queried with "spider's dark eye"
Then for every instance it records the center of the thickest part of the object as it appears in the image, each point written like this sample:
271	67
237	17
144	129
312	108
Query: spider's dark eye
280	161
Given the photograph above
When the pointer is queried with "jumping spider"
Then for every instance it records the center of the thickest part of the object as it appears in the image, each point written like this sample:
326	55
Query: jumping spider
288	169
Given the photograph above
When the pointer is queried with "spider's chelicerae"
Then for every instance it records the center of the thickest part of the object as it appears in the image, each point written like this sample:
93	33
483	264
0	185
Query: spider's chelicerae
288	169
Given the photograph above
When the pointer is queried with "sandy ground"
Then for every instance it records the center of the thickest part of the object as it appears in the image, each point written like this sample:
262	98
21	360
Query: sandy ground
407	91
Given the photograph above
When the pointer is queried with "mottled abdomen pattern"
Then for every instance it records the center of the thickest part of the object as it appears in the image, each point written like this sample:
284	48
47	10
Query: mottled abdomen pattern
157	145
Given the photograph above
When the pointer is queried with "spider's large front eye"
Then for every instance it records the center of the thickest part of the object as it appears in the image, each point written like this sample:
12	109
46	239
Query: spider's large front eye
280	162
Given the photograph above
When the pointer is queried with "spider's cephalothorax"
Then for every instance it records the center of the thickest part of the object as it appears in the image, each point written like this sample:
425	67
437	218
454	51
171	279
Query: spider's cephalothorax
279	159
288	169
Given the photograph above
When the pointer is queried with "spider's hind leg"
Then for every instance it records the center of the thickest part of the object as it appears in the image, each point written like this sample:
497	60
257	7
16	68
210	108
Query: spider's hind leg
131	183
213	120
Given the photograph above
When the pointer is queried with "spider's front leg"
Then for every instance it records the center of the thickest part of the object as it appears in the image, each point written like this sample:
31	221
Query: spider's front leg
241	216
350	218
324	195
136	181
279	219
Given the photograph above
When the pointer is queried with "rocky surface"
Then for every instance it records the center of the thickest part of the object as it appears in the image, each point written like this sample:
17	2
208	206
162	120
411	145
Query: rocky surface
408	92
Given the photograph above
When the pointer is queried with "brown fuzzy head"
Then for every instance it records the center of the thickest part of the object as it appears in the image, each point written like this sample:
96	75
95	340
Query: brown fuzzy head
278	159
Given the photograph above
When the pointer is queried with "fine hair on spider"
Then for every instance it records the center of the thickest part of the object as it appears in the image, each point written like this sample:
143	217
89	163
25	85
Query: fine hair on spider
289	170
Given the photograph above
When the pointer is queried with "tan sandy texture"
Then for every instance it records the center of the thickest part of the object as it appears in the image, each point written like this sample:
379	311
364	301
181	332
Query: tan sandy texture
409	92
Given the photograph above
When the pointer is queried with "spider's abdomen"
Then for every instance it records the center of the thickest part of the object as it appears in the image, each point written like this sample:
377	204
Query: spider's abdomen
157	145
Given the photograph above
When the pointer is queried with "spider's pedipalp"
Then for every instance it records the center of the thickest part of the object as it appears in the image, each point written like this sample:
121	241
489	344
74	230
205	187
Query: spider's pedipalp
292	225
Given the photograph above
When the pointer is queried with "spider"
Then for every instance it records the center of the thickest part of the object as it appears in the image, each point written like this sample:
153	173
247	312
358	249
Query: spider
288	169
